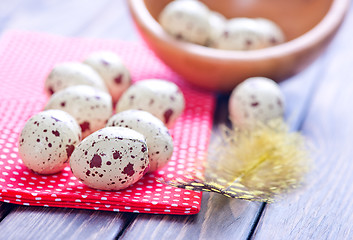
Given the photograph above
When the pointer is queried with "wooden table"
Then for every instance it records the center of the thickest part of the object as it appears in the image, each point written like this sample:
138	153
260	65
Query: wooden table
320	98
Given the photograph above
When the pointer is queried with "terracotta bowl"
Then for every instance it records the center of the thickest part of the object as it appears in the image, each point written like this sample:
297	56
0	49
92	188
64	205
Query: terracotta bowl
308	25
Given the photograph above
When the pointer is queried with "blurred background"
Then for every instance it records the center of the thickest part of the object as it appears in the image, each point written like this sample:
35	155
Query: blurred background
78	18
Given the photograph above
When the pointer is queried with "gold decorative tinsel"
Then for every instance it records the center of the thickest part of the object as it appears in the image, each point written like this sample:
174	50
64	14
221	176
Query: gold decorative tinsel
255	164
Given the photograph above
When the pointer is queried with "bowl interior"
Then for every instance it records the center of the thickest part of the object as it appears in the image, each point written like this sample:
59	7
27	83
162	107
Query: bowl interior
295	17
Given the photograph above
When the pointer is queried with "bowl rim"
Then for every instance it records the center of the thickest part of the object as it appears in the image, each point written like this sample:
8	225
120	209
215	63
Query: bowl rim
322	30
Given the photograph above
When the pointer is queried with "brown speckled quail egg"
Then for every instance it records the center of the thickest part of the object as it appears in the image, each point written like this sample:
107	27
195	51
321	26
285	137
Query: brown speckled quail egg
255	99
186	20
272	33
112	70
159	142
112	158
161	98
217	24
47	141
68	74
241	34
90	107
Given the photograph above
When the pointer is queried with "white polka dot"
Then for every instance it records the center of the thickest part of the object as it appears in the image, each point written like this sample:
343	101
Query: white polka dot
116	210
127	208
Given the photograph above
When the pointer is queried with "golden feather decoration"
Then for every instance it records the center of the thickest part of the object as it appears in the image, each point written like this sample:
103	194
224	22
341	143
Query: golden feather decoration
253	164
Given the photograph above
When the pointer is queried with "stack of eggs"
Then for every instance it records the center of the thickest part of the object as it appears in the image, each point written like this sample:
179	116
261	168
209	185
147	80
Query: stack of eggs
192	21
116	150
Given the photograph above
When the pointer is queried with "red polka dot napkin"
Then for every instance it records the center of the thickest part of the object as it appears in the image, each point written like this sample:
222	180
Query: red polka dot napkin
26	59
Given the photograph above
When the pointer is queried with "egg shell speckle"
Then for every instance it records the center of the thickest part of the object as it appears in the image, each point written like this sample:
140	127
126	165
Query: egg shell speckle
48	140
158	139
68	74
186	20
112	70
241	34
112	158
255	99
161	98
90	107
272	33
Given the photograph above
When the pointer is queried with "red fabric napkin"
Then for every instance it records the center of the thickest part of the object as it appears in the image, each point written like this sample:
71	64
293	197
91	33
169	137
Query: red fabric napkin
25	61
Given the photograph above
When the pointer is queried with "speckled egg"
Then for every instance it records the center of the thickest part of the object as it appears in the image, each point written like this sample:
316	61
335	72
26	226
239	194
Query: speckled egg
47	141
272	33
217	24
112	70
159	142
112	158
161	98
255	99
90	107
186	20
68	74
240	34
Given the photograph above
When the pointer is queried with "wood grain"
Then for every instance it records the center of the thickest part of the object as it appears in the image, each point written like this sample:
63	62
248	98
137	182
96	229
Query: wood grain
219	217
323	209
62	223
